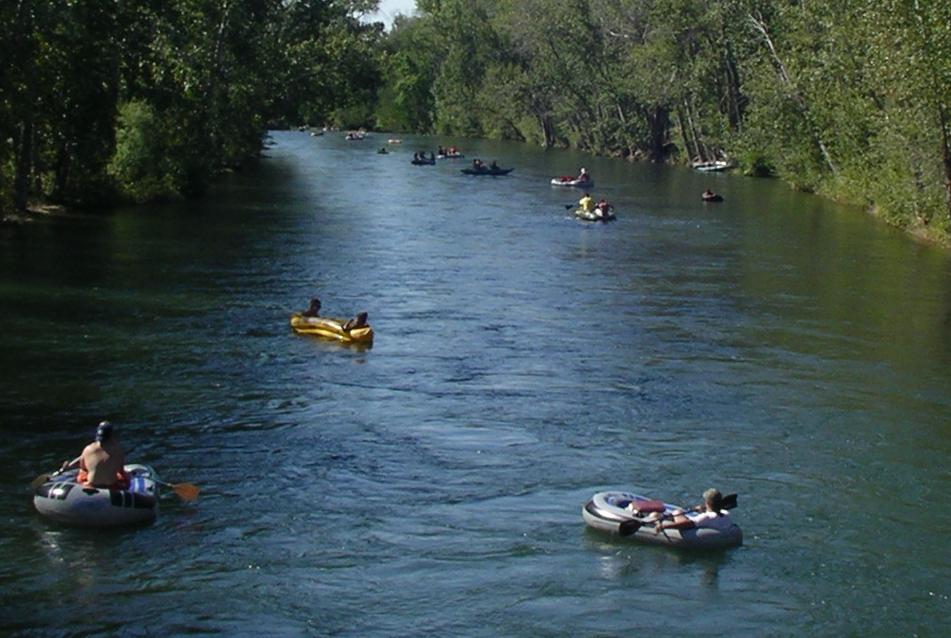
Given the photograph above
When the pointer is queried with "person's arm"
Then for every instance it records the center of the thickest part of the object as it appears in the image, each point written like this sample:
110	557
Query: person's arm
679	521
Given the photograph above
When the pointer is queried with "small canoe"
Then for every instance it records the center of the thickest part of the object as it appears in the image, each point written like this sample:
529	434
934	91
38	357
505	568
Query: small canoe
487	171
572	182
608	511
330	328
64	500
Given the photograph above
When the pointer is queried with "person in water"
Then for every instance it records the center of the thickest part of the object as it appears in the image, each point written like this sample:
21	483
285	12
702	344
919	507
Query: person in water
313	310
360	321
587	203
102	462
710	514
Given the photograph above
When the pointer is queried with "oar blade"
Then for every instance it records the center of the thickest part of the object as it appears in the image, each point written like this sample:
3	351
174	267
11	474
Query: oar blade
628	527
728	502
40	480
186	491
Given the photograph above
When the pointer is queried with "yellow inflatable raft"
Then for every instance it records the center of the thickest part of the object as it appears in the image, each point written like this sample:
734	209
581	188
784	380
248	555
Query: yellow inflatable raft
330	328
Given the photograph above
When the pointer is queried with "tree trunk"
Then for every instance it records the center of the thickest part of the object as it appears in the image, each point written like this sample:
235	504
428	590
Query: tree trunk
946	155
760	25
734	95
659	121
689	152
699	148
24	164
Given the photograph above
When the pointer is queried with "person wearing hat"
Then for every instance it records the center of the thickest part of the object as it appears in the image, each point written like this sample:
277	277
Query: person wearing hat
710	514
102	462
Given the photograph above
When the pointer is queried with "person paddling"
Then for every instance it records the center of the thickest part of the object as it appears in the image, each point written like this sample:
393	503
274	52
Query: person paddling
102	462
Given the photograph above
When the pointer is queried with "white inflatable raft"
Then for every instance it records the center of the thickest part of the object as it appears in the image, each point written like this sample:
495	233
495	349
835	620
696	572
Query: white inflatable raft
606	511
595	216
572	182
64	500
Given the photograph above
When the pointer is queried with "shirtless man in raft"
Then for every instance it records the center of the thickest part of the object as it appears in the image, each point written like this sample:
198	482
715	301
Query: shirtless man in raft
101	463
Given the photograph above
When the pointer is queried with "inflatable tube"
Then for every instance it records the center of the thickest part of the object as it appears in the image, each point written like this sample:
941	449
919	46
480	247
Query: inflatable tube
593	216
571	182
605	511
63	500
330	328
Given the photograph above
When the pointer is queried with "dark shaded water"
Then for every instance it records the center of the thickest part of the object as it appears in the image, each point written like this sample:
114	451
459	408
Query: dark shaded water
773	345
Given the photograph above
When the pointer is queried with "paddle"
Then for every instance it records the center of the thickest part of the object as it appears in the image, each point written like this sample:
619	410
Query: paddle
39	480
185	491
626	528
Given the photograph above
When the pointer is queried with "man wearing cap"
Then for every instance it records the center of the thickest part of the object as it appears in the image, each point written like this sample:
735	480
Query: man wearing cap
710	514
101	463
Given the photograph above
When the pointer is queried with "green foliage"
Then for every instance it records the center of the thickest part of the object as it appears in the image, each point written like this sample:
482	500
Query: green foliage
194	83
851	98
141	164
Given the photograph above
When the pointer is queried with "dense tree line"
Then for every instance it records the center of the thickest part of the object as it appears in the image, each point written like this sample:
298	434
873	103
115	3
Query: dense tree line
849	98
146	99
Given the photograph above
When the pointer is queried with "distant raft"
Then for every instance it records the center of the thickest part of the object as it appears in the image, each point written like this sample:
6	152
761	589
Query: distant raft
572	182
330	328
607	511
62	499
595	216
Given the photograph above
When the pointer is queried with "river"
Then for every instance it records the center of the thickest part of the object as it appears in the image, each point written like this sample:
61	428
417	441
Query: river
774	345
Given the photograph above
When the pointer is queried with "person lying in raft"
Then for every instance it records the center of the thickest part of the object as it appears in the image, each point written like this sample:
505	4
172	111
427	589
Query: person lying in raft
360	321
101	463
710	514
313	310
